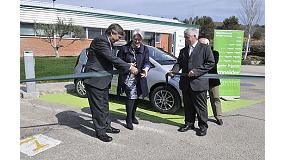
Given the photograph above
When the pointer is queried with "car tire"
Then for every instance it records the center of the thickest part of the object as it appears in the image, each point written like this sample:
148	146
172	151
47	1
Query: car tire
165	100
80	88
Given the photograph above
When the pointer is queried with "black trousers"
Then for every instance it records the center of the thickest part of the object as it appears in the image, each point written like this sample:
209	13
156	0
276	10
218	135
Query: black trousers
131	107
195	102
99	105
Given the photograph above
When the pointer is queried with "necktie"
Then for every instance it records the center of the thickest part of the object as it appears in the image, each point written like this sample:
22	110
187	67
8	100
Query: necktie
190	50
189	62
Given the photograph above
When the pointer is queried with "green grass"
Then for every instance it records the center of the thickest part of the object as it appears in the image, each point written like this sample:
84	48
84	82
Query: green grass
50	66
145	112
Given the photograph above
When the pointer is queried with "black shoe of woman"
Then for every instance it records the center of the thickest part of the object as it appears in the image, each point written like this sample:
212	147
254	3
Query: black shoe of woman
130	126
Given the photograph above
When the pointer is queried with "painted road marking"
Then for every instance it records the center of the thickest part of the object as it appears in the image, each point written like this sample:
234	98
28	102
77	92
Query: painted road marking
35	144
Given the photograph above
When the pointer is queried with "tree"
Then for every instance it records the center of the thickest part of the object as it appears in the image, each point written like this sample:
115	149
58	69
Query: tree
231	23
175	18
207	27
250	14
191	20
259	32
54	33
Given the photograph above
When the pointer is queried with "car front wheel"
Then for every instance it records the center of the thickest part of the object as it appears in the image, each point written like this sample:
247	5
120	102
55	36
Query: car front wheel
165	100
80	88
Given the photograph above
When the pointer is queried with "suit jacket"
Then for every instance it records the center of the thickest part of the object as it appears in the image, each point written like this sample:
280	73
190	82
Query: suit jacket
142	61
101	58
215	82
200	62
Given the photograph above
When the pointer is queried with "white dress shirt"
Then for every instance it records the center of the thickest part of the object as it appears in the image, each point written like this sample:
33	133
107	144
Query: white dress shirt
192	48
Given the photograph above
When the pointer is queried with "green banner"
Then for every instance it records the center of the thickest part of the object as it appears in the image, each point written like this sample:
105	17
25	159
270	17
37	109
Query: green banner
229	45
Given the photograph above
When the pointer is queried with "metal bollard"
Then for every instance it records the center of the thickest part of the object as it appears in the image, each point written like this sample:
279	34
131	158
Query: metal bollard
30	70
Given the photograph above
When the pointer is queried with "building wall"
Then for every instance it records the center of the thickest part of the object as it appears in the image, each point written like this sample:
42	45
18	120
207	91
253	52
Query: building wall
41	48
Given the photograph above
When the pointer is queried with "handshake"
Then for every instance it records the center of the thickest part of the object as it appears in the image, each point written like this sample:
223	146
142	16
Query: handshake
135	71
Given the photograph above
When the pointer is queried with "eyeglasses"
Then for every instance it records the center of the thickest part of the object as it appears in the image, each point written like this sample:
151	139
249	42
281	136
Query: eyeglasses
120	36
187	37
137	39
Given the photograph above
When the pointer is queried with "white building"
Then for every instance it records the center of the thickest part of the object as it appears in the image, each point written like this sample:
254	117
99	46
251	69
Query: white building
159	32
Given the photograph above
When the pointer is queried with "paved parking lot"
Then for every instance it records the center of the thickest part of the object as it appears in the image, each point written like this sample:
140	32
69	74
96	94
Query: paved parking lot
241	137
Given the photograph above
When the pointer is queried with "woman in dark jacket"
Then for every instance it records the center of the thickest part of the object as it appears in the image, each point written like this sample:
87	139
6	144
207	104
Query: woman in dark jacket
134	85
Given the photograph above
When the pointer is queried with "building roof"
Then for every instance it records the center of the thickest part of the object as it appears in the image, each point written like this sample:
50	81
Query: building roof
42	12
113	14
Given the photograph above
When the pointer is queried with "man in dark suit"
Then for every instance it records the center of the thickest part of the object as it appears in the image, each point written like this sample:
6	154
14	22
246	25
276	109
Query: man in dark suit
214	86
100	59
195	59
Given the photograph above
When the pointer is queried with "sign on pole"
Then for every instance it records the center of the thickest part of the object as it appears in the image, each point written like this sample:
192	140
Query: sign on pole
229	45
30	70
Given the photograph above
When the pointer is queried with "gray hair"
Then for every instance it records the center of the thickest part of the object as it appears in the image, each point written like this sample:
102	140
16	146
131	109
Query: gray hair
137	31
204	41
192	31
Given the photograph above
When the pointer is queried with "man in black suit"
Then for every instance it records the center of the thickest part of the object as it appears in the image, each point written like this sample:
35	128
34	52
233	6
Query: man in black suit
100	59
195	59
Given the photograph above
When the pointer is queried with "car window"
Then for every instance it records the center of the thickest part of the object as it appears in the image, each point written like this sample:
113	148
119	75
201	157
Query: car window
161	57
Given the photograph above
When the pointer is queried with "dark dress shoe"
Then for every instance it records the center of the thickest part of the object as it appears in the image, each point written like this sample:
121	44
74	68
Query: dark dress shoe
130	126
202	132
135	121
105	138
186	127
112	130
220	122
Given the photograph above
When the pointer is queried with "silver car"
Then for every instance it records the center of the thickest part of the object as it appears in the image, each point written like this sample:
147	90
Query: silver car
163	99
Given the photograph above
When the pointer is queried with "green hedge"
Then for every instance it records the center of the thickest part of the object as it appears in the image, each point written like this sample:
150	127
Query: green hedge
50	66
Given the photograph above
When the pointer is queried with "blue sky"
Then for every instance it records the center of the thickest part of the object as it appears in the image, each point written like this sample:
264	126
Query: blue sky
217	9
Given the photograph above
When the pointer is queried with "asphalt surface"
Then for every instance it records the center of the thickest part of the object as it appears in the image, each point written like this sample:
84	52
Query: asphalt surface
241	137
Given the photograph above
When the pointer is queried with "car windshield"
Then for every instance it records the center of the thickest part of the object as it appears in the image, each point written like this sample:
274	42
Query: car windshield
161	57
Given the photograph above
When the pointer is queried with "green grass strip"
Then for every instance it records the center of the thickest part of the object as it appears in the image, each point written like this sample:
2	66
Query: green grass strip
145	112
50	66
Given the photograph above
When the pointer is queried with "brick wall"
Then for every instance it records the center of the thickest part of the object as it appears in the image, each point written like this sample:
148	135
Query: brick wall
41	48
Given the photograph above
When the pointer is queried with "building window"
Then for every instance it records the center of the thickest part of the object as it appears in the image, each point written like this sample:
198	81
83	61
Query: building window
93	32
149	38
157	37
27	29
127	36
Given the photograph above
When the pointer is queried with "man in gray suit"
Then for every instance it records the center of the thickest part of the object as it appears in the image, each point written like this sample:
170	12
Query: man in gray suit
101	59
196	59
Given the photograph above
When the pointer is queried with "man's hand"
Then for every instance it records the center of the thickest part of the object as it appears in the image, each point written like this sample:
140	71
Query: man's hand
134	70
144	74
191	74
170	73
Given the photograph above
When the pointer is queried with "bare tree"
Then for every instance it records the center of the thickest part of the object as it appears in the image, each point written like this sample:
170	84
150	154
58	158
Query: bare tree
250	14
59	29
